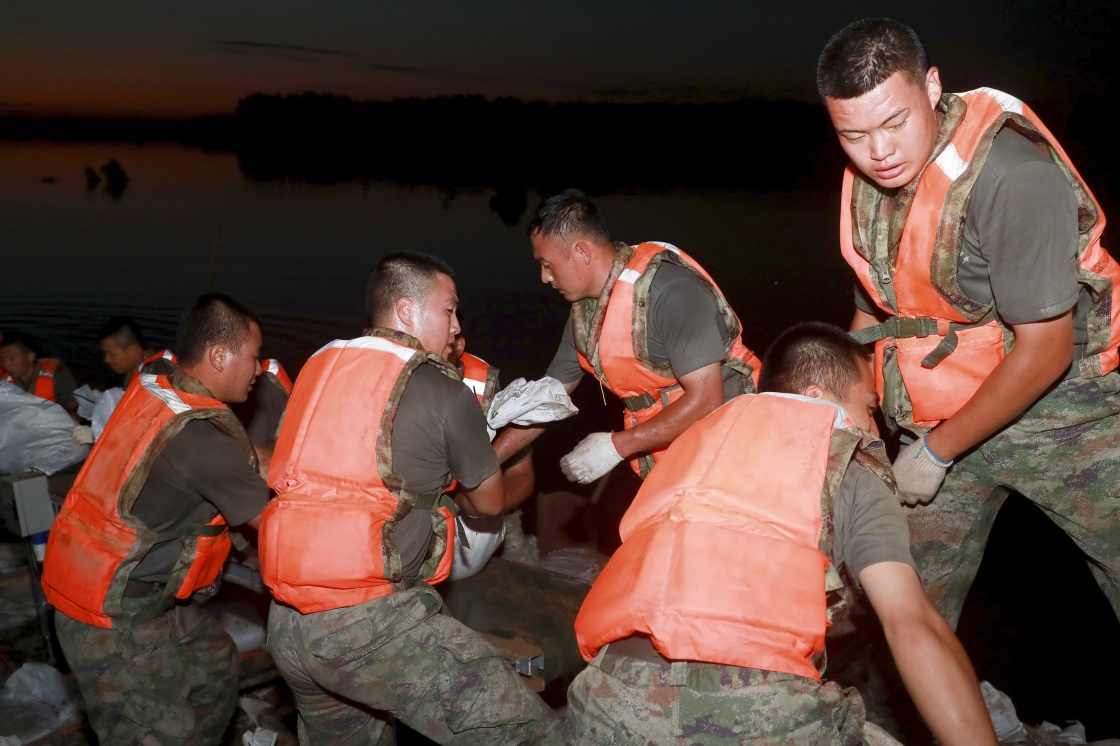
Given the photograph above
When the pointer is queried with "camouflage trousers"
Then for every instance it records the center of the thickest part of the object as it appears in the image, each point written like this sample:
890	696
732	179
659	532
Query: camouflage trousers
172	680
353	669
622	701
1063	454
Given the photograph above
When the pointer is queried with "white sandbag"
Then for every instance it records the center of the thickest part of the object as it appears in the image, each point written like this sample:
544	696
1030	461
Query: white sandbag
38	700
484	534
35	434
103	410
530	403
87	398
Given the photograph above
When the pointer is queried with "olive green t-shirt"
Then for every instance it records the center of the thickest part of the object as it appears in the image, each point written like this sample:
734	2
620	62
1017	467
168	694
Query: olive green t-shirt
439	433
684	331
870	525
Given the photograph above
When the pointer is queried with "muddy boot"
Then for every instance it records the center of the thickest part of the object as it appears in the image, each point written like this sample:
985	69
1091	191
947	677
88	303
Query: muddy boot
518	547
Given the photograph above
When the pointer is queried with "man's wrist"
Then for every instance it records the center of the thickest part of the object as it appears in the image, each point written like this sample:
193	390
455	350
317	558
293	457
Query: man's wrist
932	454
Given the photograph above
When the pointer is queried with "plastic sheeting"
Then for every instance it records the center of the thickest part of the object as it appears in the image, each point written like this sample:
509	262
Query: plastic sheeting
485	535
36	701
35	434
530	403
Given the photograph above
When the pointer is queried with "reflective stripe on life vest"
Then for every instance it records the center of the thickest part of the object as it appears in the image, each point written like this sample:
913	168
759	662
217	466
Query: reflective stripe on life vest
274	372
481	378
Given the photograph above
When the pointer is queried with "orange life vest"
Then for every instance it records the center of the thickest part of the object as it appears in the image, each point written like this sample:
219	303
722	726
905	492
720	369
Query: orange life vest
724	548
610	334
167	355
325	540
44	379
922	378
481	378
95	542
274	372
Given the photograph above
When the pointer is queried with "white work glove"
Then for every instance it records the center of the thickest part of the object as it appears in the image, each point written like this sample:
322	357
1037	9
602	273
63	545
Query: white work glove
918	473
592	458
82	435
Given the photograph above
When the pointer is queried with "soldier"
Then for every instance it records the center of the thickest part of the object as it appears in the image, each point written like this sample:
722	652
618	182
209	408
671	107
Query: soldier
144	533
708	623
994	309
45	377
126	353
376	429
648	322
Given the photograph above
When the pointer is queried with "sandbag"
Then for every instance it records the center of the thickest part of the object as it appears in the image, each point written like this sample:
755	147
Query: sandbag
35	434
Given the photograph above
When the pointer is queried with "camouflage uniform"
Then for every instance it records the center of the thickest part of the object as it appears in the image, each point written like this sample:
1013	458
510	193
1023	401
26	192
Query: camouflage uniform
1063	454
619	700
171	680
398	656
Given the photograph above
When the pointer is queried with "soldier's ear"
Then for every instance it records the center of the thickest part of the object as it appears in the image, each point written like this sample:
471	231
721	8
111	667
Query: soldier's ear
405	310
581	252
218	356
814	391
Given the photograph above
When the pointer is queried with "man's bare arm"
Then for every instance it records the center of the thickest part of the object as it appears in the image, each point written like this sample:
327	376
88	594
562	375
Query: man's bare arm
519	481
934	666
1042	353
488	498
513	438
862	320
703	393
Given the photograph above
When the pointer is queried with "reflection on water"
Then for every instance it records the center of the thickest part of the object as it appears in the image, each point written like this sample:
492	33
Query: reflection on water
188	222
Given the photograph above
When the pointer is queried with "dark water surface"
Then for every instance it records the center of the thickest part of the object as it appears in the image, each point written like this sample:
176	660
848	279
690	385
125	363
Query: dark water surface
188	222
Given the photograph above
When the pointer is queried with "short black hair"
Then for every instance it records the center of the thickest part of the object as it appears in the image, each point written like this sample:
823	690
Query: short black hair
812	352
567	215
124	331
214	319
863	54
404	274
23	340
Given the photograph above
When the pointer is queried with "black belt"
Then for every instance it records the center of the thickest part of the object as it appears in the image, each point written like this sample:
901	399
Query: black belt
640	648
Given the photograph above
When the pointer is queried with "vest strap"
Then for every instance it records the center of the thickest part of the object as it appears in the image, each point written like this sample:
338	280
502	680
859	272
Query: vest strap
426	502
645	401
901	327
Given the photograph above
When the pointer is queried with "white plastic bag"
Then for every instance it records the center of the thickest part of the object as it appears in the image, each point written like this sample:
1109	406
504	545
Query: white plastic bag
1002	712
530	403
35	434
485	534
36	701
106	403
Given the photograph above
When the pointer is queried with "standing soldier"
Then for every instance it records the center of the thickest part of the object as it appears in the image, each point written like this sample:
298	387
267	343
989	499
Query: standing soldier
648	322
994	310
376	429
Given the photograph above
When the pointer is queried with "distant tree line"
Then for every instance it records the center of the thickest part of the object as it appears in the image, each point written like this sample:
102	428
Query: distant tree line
509	145
467	141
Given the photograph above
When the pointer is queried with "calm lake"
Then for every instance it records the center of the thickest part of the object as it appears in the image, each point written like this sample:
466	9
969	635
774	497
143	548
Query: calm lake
189	222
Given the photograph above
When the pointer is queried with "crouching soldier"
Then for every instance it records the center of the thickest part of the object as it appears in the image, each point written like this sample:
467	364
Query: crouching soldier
709	620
